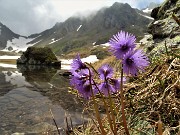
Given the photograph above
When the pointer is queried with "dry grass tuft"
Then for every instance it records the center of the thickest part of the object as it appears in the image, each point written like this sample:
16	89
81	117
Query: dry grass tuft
156	95
152	97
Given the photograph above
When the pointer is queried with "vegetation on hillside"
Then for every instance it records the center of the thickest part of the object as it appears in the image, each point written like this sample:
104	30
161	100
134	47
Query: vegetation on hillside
151	98
64	37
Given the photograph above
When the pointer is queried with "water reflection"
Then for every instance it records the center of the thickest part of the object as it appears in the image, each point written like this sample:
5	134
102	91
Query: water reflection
5	86
15	78
37	73
26	95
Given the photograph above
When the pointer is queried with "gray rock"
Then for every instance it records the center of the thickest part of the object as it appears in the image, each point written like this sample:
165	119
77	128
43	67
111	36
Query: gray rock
164	25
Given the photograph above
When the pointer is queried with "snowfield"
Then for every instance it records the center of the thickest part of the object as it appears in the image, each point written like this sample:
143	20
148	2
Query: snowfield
147	16
103	45
9	57
8	65
65	64
18	44
147	10
79	27
53	41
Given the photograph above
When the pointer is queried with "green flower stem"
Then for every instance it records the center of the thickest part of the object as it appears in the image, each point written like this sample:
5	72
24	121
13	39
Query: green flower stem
96	108
123	104
111	109
106	106
112	113
160	132
97	114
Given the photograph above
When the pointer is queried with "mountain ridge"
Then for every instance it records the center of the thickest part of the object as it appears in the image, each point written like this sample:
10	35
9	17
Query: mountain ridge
97	28
76	32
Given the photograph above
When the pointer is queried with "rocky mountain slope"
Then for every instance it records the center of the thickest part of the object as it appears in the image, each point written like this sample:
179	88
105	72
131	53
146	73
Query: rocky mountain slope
5	35
12	42
165	28
78	32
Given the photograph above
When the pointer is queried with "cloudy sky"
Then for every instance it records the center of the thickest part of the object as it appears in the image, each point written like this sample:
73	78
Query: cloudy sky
27	17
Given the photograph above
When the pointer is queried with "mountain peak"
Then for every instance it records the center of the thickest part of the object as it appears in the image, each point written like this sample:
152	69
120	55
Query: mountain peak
118	4
78	32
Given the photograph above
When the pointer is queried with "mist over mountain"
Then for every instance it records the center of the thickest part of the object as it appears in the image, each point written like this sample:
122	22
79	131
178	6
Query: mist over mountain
150	7
76	32
96	28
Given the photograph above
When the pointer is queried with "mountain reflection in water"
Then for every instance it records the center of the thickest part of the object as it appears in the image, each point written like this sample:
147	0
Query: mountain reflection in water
26	96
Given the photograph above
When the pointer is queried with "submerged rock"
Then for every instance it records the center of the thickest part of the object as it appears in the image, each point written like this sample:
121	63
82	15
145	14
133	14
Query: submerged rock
38	56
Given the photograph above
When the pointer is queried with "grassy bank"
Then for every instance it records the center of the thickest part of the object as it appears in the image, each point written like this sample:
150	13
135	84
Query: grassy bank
152	99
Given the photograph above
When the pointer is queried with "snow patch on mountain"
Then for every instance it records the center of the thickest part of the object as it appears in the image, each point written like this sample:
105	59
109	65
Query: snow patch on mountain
53	40
79	27
147	16
37	42
18	44
66	62
103	45
147	10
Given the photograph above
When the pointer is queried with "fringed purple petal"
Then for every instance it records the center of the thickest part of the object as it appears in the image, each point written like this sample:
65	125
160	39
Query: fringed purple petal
77	64
134	61
105	72
105	87
121	43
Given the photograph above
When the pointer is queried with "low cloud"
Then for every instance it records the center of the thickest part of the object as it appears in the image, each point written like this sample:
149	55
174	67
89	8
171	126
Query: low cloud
27	17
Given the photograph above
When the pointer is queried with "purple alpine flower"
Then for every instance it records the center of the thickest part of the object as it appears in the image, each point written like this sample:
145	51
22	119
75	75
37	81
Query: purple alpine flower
79	78
85	90
81	81
76	80
105	72
116	83
122	43
105	87
134	61
77	64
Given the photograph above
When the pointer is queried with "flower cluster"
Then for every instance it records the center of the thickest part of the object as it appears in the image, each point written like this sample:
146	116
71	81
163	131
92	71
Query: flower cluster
109	85
82	79
122	45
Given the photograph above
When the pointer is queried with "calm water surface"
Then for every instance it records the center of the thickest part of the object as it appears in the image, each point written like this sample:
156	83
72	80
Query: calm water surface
26	96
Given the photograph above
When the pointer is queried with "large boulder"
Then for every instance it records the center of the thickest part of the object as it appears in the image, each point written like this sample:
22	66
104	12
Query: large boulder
164	30
164	24
38	56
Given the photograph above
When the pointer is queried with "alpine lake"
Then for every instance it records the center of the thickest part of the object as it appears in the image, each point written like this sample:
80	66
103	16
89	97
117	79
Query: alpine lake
28	93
